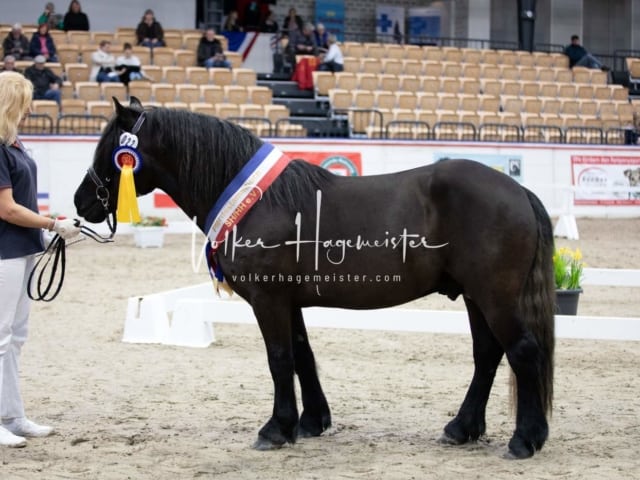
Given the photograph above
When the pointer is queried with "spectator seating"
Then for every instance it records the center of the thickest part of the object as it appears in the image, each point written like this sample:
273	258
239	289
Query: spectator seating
449	85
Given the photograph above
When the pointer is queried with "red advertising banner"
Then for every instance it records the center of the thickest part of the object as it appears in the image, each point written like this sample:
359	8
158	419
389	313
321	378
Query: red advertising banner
600	175
348	164
340	163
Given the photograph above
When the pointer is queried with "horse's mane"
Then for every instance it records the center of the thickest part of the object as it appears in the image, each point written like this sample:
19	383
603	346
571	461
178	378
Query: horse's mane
209	152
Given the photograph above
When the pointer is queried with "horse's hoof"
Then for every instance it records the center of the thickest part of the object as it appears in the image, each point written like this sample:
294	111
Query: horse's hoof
510	455
263	444
519	449
448	440
518	453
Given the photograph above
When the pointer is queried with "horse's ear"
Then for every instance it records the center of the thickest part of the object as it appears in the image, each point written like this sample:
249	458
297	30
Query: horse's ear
118	106
134	102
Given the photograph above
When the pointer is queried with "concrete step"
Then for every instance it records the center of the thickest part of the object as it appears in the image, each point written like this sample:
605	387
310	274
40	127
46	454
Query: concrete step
287	89
304	107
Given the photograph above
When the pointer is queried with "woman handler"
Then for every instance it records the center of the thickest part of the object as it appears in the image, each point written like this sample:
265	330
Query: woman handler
20	239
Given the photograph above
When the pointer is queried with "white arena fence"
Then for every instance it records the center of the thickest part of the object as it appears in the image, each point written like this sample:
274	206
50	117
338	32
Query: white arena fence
185	316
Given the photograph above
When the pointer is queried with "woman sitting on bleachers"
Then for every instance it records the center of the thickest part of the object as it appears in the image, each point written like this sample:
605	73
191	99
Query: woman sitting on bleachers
75	18
42	44
149	31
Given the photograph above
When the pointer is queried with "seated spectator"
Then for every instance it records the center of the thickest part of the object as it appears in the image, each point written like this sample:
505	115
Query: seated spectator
252	16
292	22
149	32
302	42
578	56
129	66
332	61
46	84
16	44
103	64
51	18
269	24
210	53
231	23
322	37
42	44
9	65
75	18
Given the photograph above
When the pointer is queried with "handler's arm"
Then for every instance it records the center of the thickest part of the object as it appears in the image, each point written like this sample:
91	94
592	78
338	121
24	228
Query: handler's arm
12	212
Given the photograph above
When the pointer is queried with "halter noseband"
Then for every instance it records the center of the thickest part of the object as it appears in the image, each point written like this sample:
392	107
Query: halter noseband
102	192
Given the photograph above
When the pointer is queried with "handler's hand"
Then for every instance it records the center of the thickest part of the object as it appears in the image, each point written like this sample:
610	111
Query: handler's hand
67	228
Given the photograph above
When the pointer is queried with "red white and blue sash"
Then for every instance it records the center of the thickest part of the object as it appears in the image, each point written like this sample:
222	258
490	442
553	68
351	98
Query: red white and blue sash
240	196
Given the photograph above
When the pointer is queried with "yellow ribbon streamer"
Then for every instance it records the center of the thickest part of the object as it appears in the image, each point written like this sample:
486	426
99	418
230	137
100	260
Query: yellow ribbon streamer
217	284
127	211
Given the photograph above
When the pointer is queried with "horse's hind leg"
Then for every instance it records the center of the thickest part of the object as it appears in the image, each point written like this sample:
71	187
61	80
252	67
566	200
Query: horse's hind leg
532	429
274	318
316	417
469	423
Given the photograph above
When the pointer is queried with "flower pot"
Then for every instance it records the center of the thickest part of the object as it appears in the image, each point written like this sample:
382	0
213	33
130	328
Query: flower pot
148	237
567	301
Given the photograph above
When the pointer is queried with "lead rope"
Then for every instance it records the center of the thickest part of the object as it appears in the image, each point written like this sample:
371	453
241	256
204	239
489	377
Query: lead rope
53	261
56	251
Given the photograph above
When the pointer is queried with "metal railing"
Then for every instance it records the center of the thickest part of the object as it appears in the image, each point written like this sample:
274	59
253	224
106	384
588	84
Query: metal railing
80	124
261	126
620	56
37	124
369	123
461	42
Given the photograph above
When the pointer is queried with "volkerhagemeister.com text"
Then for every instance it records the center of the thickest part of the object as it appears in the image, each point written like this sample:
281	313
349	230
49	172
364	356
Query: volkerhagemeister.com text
315	278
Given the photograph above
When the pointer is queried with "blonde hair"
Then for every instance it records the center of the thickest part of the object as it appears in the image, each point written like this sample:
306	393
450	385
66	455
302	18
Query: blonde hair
16	93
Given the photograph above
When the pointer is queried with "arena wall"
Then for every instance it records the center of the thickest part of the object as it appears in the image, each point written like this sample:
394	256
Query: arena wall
549	170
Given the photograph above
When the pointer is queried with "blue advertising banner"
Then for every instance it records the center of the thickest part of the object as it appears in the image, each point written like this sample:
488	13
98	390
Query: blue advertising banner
331	14
424	24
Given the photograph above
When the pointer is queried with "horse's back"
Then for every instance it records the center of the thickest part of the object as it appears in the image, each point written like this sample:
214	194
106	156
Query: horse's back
491	222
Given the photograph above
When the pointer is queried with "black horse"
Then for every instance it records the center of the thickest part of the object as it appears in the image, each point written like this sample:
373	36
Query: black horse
455	227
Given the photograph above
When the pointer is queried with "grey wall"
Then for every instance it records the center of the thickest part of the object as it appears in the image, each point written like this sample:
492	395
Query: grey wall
635	20
607	25
106	14
504	20
604	25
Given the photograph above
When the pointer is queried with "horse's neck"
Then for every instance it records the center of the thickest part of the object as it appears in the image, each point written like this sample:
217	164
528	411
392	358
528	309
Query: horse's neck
193	208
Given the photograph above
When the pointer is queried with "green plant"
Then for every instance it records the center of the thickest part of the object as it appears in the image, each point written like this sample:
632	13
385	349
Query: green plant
151	221
568	268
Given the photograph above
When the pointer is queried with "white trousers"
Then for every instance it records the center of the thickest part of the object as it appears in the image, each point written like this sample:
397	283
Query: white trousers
14	319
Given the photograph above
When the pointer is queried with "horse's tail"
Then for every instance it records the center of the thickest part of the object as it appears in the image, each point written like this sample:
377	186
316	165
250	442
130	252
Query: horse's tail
537	302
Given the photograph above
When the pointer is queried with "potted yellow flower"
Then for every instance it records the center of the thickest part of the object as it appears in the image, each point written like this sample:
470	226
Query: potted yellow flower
149	231
568	269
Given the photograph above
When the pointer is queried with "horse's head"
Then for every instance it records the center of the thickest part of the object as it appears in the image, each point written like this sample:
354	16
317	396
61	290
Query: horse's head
96	197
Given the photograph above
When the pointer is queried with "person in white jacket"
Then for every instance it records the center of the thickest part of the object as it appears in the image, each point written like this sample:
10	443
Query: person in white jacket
130	66
333	61
103	64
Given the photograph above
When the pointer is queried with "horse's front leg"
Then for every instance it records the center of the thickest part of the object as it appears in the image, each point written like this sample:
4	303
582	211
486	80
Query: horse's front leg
274	319
469	423
316	417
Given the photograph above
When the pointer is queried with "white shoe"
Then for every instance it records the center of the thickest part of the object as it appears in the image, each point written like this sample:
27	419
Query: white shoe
26	428
8	439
